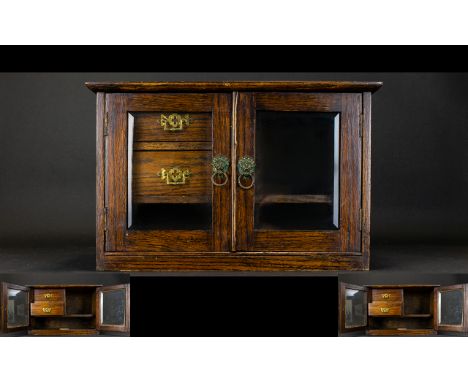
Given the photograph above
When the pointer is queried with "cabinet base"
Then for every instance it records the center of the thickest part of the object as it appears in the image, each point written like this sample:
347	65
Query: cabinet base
139	261
401	332
63	332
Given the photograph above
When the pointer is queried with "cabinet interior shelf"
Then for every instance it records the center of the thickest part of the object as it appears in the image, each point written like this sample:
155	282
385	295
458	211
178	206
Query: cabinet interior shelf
81	315
299	199
419	315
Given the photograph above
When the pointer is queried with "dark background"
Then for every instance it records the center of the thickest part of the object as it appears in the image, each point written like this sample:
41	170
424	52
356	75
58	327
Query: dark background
47	154
234	306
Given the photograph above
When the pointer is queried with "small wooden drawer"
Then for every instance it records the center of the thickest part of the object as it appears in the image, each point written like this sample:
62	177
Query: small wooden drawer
171	177
395	295
49	295
44	308
171	127
381	308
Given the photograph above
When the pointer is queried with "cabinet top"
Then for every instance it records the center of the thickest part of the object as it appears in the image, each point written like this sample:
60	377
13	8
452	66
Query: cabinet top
220	86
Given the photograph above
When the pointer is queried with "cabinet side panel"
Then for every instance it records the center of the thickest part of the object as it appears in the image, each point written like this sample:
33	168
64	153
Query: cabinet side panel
366	177
100	177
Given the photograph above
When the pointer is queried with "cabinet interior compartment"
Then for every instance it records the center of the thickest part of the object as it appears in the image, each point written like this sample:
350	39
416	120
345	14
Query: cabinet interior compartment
169	172
417	313
79	312
80	302
418	301
63	323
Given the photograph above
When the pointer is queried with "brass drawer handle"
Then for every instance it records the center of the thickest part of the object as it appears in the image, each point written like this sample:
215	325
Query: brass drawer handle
220	166
175	122
47	310
246	169
384	310
174	176
385	296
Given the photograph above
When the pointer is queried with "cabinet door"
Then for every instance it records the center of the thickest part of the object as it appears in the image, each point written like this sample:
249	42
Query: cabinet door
353	301
451	308
160	187
15	307
113	308
298	172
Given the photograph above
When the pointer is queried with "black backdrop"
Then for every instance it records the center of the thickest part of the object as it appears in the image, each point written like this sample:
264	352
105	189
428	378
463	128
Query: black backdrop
47	153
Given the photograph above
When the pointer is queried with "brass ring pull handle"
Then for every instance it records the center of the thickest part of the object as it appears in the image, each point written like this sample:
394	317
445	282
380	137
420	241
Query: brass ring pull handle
220	165
246	169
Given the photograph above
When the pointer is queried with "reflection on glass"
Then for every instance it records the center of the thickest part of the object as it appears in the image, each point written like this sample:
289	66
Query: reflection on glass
17	310
355	308
451	307
113	307
297	170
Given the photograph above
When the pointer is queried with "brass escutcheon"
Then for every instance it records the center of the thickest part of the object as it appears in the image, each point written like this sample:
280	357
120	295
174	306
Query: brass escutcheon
384	310
47	310
174	175
385	295
175	122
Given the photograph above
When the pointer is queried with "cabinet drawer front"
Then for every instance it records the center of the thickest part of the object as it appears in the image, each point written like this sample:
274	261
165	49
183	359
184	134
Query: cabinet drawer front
172	127
44	308
387	295
384	309
171	177
49	295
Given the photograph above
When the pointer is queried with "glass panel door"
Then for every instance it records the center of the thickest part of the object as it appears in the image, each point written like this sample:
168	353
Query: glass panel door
164	192
113	306
450	308
15	301
298	172
353	307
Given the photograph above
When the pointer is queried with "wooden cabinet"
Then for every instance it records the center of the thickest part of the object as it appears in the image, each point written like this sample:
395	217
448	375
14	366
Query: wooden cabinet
65	310
233	176
409	310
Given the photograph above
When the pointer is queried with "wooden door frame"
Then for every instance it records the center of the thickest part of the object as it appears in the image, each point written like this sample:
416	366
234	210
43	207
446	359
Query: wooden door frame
113	328
342	308
4	305
451	328
348	237
117	237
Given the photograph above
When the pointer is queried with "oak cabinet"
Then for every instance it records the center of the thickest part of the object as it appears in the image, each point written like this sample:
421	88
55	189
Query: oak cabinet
233	176
406	310
65	310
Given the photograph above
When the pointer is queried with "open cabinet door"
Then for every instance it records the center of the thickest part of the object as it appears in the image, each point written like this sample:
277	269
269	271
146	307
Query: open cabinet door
450	308
352	308
113	308
14	307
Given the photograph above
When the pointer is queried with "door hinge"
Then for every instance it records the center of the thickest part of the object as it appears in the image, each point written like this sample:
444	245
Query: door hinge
106	124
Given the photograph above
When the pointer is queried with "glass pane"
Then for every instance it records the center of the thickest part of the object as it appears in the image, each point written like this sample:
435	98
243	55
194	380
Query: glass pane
113	307
169	187
355	308
451	307
18	312
297	170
